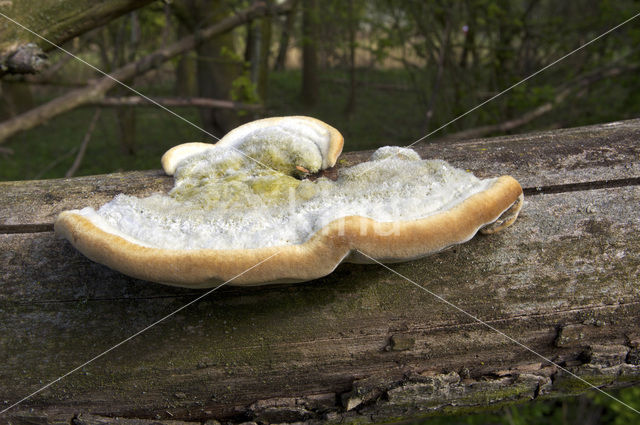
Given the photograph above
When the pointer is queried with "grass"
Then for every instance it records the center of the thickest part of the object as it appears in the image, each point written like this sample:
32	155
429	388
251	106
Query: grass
49	150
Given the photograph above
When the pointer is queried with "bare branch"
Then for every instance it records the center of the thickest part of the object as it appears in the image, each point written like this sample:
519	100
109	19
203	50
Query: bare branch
574	87
97	91
199	102
57	22
83	146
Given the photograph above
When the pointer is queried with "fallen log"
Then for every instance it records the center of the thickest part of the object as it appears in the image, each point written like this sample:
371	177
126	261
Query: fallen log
361	344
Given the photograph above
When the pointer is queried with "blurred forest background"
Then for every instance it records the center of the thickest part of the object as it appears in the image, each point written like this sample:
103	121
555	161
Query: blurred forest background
381	71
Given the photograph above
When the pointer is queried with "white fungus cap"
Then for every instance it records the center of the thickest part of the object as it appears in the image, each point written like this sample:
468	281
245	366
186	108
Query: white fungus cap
237	202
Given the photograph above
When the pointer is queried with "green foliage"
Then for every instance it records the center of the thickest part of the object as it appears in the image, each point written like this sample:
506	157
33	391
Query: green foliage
523	98
244	90
593	407
504	42
616	413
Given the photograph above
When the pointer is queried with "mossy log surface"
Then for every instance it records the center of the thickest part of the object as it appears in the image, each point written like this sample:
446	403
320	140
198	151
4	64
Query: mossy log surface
360	345
57	21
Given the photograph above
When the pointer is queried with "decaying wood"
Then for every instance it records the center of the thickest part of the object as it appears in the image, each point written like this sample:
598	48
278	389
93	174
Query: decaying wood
360	345
95	92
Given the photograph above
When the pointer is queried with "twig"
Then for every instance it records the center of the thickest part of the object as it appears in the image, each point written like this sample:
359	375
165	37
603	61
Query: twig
55	162
83	146
199	102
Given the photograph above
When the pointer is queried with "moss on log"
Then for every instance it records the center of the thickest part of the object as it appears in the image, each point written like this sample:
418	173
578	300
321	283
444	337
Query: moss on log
57	21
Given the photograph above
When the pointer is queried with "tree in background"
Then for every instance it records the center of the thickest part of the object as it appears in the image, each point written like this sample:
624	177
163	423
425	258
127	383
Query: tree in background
217	64
124	33
310	17
382	71
458	55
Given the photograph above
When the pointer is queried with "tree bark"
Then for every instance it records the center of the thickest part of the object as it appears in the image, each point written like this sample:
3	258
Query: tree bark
215	65
97	91
117	49
360	345
258	48
435	88
57	21
186	83
16	98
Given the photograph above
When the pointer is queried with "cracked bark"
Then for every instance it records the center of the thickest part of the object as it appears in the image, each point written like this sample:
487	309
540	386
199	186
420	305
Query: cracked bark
358	345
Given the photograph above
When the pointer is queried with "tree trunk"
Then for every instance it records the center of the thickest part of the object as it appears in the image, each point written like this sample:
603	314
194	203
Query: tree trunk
309	53
352	23
252	48
257	54
437	80
116	50
285	36
216	70
15	98
360	345
186	84
265	50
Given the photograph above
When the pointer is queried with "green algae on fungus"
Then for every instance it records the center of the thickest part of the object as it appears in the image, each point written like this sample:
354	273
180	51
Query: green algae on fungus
238	201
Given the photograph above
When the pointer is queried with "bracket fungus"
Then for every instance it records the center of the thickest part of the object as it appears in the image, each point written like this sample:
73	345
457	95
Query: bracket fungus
246	199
